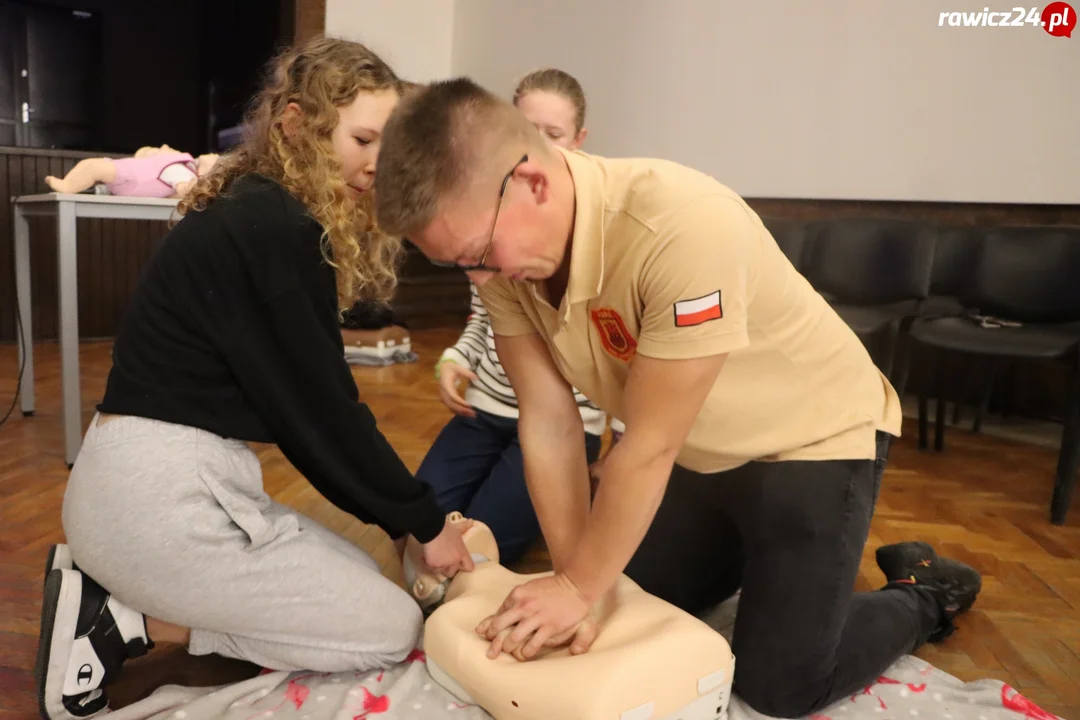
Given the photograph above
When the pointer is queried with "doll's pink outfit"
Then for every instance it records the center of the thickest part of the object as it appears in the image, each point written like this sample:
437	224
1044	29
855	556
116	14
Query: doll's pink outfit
142	177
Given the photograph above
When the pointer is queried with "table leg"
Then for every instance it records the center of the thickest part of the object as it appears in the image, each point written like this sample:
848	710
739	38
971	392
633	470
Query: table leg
23	325
68	285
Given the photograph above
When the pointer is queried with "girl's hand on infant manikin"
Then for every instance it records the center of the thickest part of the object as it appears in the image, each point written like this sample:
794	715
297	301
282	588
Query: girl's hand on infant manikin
447	554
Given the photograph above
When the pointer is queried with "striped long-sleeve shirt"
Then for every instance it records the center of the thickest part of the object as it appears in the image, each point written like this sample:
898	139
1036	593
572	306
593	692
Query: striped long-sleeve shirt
491	391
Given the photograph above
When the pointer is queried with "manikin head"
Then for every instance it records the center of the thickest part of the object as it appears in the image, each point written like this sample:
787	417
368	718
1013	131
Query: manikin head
205	163
315	127
468	179
554	102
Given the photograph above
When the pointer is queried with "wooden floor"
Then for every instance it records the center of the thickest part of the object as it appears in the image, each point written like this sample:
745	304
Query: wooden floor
984	500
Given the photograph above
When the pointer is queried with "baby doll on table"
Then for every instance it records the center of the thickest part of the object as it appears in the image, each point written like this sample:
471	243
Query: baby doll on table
650	661
155	172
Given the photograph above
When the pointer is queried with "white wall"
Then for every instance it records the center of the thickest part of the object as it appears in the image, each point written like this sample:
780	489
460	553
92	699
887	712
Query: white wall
831	99
414	36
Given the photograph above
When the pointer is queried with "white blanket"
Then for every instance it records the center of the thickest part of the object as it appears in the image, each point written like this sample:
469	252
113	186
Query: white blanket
910	690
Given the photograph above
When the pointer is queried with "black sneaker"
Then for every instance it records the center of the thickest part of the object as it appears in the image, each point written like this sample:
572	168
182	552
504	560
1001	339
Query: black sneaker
951	583
85	636
59	557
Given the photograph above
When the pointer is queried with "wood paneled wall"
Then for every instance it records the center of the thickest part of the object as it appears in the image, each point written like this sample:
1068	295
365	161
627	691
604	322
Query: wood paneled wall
943	214
427	294
111	253
309	19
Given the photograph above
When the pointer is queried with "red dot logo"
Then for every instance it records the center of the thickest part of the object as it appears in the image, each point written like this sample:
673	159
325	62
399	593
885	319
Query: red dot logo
1059	19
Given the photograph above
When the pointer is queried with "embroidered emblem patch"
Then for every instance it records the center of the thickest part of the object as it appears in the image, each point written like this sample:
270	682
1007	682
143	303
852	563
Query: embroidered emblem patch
613	334
694	312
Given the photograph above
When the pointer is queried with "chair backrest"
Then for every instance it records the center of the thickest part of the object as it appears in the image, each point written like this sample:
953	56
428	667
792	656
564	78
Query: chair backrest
1028	274
790	235
870	261
956	251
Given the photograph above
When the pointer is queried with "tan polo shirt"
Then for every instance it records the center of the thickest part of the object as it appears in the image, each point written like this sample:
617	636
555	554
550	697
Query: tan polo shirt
668	263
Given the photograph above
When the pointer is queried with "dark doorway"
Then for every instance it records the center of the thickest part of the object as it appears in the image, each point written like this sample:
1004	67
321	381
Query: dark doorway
51	93
113	75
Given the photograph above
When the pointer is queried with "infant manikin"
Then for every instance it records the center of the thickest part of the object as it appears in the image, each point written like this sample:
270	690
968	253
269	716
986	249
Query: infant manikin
155	172
650	660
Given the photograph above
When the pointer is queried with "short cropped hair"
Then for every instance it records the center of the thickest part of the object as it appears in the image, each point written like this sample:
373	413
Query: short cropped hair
442	138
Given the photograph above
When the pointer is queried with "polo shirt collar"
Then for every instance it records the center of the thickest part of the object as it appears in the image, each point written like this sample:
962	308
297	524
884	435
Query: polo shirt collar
587	250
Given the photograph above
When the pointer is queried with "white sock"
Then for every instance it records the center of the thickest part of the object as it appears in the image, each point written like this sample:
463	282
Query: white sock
130	623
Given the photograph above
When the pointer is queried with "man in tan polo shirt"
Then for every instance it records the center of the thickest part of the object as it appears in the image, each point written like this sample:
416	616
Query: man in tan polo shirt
757	425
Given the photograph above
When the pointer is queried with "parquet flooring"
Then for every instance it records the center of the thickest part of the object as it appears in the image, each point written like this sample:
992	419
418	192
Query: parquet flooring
984	500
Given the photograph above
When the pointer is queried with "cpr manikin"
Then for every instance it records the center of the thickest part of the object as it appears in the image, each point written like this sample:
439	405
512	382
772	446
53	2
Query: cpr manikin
650	660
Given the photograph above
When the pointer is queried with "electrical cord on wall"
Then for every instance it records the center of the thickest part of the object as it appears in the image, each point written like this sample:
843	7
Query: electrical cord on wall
22	361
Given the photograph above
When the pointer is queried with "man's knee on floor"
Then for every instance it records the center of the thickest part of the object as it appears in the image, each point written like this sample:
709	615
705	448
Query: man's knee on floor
780	701
779	692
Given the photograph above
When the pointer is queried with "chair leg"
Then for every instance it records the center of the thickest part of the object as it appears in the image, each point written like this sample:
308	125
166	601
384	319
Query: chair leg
924	410
931	356
903	348
1007	390
965	388
940	407
887	348
1069	458
985	395
939	424
902	366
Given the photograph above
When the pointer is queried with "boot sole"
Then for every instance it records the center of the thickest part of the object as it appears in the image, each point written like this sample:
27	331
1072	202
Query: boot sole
60	589
59	557
975	578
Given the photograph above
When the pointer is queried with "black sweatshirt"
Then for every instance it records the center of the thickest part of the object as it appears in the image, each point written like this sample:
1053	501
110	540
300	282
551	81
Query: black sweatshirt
234	329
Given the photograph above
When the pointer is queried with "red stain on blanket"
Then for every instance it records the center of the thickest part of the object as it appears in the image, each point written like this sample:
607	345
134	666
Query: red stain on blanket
1012	700
373	704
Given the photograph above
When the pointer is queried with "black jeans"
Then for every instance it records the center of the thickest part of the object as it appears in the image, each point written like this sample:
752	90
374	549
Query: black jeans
791	535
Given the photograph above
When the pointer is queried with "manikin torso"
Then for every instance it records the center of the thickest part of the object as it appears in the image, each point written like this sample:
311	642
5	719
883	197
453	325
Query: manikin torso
650	660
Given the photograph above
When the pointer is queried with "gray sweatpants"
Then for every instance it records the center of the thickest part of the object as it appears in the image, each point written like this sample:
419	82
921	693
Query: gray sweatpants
174	522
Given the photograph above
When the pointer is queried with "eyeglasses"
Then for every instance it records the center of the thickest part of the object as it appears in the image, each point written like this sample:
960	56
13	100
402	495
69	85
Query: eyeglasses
482	266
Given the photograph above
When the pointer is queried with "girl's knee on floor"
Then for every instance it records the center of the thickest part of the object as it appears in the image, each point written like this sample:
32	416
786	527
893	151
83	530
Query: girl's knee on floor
406	626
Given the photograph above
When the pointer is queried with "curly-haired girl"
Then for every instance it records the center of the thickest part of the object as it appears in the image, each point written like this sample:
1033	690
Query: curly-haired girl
232	337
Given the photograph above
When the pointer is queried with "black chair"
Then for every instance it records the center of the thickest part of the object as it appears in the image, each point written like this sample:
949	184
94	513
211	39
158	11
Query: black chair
790	235
875	272
1027	276
956	250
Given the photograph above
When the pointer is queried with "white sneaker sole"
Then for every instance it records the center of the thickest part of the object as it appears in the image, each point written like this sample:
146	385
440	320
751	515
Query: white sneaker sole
59	557
59	618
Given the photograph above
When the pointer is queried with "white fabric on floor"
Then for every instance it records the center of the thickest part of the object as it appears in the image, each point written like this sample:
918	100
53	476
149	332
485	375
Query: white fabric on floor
910	690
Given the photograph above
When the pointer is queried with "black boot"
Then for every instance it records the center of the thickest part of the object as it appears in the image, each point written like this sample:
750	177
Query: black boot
952	584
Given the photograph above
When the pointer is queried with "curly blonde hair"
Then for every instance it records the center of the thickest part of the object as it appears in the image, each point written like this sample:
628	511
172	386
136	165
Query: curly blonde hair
320	76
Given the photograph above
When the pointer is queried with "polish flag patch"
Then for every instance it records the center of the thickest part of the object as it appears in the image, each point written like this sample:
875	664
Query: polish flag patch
699	310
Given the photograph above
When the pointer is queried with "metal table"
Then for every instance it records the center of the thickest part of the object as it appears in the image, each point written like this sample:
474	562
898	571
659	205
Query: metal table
67	208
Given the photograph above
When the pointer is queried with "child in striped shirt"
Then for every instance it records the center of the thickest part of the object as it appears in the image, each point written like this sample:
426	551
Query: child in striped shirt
475	464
